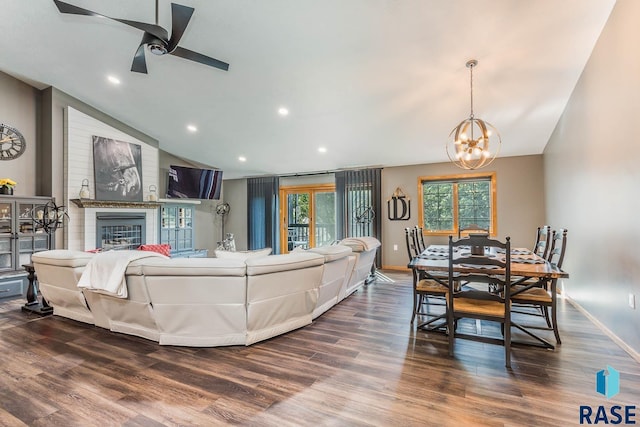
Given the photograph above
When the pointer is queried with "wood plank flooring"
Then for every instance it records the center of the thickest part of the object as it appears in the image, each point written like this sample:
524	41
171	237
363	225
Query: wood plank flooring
359	364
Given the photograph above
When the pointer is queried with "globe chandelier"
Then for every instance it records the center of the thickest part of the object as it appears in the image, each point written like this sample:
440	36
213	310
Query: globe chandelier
473	143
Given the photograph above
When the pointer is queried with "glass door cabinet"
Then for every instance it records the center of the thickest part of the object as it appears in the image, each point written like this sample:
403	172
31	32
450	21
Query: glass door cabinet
20	237
177	229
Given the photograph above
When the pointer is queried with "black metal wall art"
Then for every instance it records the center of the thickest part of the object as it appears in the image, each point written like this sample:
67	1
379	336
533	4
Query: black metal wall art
399	206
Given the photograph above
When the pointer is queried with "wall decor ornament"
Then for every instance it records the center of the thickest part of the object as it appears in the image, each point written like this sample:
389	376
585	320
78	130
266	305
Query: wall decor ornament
12	143
399	206
117	168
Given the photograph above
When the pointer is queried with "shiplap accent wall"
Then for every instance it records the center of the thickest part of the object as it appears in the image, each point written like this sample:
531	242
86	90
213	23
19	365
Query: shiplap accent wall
79	129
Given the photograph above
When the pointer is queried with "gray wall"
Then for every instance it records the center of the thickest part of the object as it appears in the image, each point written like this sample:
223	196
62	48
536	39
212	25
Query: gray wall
19	108
520	202
592	176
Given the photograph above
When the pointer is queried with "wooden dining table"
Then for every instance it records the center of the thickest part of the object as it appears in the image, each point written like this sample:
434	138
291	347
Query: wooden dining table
434	262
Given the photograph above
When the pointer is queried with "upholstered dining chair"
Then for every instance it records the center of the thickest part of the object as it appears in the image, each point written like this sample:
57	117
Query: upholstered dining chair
427	292
480	302
542	296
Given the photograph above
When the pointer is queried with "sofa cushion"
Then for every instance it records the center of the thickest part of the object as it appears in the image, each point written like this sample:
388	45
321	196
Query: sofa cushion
163	249
275	263
243	255
332	253
193	267
63	258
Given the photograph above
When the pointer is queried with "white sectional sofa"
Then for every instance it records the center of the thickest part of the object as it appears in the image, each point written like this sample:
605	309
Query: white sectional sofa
365	249
206	302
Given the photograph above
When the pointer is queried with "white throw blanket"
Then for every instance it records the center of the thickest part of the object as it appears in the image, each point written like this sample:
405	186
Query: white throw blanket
105	272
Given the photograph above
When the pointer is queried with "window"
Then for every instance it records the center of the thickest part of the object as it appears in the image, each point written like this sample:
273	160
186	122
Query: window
458	201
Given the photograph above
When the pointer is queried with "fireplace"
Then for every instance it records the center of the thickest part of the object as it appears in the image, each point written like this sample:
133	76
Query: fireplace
117	231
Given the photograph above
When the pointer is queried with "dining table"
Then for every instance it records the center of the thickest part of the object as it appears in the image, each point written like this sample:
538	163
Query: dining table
525	265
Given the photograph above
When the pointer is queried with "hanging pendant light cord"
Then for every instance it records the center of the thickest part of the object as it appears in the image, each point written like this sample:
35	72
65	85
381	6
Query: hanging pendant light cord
157	12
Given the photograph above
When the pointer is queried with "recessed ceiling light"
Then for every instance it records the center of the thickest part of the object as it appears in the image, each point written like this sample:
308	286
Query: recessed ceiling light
242	159
192	128
283	111
322	149
114	80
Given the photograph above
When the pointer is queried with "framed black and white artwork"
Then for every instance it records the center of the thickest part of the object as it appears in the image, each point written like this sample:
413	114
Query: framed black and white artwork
117	169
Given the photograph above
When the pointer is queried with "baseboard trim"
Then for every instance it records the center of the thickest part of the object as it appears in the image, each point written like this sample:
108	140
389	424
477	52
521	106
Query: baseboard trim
616	339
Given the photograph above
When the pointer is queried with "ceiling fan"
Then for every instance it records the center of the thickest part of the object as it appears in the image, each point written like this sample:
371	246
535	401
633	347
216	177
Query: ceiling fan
155	37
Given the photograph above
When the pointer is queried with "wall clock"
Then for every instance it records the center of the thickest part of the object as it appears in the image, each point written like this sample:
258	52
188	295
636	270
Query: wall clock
12	143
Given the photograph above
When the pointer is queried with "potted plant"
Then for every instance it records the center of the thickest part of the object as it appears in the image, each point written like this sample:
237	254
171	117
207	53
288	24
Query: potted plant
6	186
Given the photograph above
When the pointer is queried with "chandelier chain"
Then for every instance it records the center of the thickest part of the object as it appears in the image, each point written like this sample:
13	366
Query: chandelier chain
471	86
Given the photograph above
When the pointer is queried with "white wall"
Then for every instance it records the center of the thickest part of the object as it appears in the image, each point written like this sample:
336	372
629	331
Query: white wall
79	129
592	176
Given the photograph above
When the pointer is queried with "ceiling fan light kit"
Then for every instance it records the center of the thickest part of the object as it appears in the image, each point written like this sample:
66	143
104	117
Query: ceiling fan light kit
155	38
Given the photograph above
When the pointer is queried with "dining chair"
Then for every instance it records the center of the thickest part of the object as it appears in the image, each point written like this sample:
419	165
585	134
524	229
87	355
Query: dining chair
542	296
543	236
427	292
412	249
480	302
471	228
419	238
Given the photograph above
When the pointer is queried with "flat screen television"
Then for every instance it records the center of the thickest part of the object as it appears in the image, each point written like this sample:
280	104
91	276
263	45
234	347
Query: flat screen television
193	183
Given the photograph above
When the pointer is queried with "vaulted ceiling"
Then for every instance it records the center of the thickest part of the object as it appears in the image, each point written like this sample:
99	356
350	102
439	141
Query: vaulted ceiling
374	82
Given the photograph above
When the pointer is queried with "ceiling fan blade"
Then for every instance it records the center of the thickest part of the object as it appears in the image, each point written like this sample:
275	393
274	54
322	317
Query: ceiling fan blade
139	64
75	10
198	57
180	17
155	30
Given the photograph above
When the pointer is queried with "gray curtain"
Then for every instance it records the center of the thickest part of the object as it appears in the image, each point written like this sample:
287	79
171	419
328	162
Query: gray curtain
359	204
263	219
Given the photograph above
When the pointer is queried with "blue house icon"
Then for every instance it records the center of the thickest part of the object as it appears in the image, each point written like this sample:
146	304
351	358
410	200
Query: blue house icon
608	382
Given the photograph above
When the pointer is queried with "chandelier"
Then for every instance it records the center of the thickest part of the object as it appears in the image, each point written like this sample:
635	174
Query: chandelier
469	142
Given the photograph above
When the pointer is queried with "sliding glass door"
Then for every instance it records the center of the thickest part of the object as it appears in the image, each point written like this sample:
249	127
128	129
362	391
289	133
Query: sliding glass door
308	216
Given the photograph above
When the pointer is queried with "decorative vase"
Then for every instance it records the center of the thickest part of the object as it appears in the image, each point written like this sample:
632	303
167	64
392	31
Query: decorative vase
6	190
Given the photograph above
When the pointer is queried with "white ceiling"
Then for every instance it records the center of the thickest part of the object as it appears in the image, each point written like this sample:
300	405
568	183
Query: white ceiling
376	82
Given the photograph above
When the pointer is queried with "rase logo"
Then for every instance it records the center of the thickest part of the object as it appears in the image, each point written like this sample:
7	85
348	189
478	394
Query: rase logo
608	385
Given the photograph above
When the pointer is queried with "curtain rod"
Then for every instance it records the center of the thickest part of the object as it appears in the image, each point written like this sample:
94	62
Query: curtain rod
302	174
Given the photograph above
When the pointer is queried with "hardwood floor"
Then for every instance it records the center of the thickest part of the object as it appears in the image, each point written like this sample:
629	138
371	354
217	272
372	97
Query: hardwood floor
361	363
